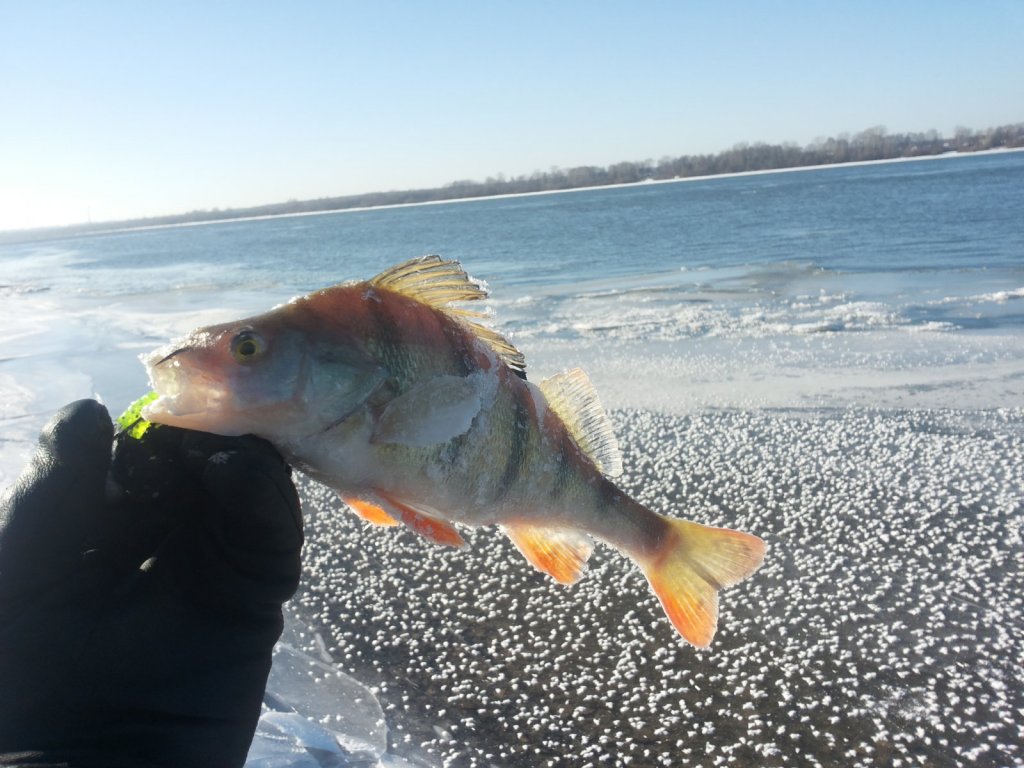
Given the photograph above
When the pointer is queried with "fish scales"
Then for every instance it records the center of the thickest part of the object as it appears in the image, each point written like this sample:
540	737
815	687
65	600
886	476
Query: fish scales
391	393
415	341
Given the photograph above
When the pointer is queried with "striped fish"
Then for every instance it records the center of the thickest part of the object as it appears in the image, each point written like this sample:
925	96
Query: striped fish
394	394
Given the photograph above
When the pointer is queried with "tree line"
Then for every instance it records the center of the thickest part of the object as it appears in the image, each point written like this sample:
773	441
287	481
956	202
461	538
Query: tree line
871	144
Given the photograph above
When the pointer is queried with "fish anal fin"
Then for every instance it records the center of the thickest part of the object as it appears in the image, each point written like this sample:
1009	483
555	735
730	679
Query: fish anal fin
692	565
371	513
439	282
431	528
572	397
560	553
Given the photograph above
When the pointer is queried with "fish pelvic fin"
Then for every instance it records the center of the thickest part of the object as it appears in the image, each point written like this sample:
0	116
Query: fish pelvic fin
439	283
574	400
560	553
693	563
371	513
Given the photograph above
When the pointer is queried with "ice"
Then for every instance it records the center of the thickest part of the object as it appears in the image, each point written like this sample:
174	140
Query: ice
272	748
313	710
302	731
868	424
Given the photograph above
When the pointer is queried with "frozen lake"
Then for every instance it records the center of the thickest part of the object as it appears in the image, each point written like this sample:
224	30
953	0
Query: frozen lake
832	359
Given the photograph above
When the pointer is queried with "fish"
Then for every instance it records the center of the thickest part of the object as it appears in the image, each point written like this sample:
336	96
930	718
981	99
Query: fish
399	396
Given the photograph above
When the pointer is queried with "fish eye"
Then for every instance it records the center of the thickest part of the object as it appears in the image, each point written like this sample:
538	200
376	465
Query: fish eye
247	346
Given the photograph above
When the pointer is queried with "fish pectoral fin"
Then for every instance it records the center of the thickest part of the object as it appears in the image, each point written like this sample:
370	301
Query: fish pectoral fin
693	563
432	412
370	512
559	552
431	528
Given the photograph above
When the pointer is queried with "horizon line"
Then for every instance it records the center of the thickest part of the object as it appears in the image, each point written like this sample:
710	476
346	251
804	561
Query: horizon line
57	235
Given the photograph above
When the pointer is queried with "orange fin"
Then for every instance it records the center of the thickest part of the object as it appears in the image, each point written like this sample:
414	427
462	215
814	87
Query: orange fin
689	569
437	531
371	513
561	554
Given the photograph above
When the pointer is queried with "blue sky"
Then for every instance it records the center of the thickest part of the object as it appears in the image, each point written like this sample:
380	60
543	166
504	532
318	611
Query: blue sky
114	110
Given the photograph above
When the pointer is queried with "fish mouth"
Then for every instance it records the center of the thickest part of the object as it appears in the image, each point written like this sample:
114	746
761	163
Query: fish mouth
146	358
185	392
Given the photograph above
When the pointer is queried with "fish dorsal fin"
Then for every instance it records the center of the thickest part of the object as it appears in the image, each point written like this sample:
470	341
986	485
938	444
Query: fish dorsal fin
439	283
432	280
572	397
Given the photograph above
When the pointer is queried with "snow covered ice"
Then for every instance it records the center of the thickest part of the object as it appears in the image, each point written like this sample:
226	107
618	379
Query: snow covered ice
884	628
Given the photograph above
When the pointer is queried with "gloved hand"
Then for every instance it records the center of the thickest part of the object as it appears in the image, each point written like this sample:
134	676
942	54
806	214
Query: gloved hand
140	595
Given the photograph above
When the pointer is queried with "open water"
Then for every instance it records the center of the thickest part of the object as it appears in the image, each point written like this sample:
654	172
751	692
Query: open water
897	283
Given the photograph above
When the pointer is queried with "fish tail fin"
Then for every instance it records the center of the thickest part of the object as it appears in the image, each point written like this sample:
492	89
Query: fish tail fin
692	563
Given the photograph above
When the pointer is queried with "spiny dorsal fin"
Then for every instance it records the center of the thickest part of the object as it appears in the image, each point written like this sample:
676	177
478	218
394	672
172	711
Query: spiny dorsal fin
432	280
438	283
571	395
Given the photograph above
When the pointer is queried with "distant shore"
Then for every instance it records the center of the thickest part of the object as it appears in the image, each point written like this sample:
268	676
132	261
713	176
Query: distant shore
139	225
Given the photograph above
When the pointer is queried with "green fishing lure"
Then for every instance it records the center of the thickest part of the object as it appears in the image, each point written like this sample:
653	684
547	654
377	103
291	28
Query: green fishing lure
131	422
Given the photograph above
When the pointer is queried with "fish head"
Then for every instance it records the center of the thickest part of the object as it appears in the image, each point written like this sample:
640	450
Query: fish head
258	376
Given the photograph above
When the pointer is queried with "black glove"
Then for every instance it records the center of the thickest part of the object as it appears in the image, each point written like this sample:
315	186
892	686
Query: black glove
140	595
